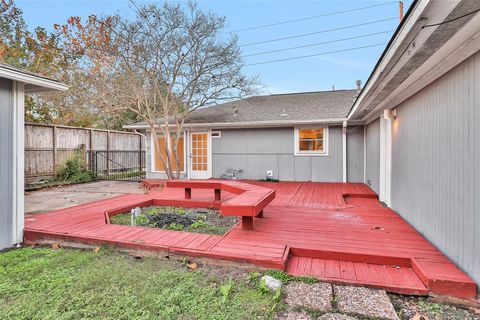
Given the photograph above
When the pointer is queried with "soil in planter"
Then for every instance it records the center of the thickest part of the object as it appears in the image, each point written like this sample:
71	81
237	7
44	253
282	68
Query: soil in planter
199	220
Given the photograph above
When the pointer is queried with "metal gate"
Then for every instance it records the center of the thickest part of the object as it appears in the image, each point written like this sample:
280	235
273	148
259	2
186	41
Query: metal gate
118	165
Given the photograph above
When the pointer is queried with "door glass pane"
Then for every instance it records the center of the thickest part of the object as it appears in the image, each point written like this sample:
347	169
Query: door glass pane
200	151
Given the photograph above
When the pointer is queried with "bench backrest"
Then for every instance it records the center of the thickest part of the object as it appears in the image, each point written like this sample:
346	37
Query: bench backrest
250	199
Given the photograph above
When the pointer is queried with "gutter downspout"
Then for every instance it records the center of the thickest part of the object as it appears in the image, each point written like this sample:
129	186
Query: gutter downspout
141	149
344	138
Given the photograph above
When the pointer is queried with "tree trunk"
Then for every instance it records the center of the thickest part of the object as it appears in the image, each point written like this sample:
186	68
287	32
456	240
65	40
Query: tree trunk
158	151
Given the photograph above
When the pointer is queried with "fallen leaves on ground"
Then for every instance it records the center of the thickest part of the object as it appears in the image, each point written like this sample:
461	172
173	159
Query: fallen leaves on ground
475	310
192	266
418	316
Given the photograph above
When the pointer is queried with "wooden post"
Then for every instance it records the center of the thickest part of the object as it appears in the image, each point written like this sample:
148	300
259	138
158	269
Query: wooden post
108	153
83	149
54	150
91	150
247	223
217	194
188	193
140	158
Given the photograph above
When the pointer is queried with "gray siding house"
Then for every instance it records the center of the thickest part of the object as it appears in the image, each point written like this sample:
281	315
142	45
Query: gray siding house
412	133
421	109
290	137
14	83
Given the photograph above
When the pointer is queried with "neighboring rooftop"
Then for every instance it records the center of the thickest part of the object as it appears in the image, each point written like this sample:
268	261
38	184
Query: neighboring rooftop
288	108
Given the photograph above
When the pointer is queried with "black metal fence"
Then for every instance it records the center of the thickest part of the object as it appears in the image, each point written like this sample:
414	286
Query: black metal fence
118	165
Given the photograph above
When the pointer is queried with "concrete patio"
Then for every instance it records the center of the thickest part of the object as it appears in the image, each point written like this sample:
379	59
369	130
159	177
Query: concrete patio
67	196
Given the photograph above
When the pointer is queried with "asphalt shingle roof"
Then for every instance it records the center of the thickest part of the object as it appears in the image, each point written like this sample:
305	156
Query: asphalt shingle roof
289	107
283	107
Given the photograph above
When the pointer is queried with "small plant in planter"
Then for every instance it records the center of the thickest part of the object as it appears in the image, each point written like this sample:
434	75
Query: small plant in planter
198	220
175	226
199	224
180	210
152	211
142	221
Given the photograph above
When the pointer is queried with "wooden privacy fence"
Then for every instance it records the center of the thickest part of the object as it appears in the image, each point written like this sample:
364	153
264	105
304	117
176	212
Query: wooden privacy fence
48	146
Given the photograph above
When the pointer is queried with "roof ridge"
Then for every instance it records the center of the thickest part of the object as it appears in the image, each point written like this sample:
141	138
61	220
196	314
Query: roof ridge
304	92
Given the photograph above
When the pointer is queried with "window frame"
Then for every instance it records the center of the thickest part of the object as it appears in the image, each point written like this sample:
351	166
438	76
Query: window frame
216	134
299	152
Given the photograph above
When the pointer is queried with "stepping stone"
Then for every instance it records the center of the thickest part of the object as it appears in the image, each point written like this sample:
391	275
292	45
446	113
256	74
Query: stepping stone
364	302
316	296
293	315
336	316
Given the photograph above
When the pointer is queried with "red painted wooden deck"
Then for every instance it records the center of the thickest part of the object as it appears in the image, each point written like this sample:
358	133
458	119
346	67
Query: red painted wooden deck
334	231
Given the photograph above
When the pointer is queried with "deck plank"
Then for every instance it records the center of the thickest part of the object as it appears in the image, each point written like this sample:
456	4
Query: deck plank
336	231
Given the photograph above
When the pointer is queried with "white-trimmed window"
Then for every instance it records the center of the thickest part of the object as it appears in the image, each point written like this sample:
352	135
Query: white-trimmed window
216	134
311	140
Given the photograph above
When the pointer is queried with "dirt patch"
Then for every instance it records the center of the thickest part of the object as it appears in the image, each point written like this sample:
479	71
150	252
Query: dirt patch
409	307
198	220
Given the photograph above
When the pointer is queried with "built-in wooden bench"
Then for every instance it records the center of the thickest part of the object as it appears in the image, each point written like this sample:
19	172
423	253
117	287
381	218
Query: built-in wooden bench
249	202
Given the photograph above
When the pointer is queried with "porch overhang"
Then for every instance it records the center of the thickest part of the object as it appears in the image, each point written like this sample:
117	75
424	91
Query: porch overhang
433	38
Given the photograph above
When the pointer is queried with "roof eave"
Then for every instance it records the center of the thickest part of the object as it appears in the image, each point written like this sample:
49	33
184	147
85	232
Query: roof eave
413	14
248	124
401	73
33	84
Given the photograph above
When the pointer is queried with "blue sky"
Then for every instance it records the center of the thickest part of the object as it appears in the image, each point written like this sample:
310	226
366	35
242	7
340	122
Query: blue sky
315	73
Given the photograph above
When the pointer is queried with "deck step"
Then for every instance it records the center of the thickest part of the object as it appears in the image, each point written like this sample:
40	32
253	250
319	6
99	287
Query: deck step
396	279
265	254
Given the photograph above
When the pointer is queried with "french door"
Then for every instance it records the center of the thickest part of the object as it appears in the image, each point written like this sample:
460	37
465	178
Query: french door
200	155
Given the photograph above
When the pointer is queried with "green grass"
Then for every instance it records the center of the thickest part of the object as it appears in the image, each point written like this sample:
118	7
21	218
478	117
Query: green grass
41	283
285	278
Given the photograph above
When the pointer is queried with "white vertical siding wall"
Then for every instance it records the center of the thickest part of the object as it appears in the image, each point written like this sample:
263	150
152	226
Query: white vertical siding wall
436	164
372	172
11	163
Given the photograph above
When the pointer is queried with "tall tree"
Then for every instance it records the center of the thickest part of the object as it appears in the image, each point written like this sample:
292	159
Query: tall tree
166	63
64	54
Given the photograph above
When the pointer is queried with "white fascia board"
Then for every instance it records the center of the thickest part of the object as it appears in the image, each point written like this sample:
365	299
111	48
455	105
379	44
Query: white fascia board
401	36
39	84
249	124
